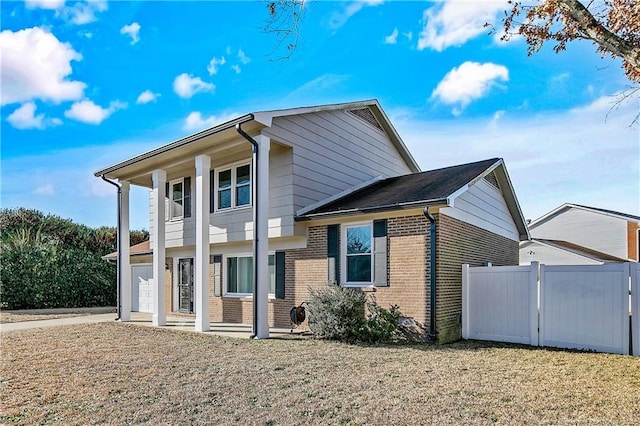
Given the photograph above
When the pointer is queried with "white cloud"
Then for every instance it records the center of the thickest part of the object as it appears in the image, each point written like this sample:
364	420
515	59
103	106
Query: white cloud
339	18
147	96
25	118
195	120
236	68
408	35
88	112
214	65
47	190
133	31
44	4
454	22
84	12
185	85
581	155
468	82
35	65
243	58
392	38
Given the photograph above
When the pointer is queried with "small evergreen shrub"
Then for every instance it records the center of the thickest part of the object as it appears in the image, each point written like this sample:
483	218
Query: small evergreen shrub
345	314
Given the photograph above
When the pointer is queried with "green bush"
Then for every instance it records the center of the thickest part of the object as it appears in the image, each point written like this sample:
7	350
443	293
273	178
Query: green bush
338	313
49	262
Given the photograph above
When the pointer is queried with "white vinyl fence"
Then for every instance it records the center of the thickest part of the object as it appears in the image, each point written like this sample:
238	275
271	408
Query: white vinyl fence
582	307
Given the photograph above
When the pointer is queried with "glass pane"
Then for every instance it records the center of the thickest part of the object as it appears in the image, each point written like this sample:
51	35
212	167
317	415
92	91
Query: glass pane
224	199
243	175
358	239
232	273
358	268
176	208
243	195
272	274
224	179
245	275
176	191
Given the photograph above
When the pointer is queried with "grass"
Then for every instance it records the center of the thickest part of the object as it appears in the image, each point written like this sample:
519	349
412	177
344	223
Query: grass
113	373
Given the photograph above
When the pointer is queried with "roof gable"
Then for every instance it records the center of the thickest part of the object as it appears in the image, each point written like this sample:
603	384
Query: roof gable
369	111
567	206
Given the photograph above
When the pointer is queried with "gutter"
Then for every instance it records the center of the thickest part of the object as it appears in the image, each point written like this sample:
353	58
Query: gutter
433	334
388	207
255	224
118	246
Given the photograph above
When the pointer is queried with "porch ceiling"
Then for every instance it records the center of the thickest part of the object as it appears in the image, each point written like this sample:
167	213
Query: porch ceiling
177	157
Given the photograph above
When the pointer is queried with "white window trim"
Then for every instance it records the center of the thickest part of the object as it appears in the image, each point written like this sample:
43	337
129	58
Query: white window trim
225	275
170	216
343	255
233	167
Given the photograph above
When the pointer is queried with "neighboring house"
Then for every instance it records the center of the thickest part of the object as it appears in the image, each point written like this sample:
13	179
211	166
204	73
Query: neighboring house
573	234
337	199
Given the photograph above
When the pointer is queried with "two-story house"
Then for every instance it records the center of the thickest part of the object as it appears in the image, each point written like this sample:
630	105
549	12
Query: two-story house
304	198
573	234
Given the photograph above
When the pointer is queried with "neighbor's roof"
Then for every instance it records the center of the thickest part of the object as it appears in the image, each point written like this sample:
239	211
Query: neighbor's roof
577	249
140	249
567	206
255	121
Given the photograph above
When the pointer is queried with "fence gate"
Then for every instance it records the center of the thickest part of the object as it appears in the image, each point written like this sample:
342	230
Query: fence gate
581	307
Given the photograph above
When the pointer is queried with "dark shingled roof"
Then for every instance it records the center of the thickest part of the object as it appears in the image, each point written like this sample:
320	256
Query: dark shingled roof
393	193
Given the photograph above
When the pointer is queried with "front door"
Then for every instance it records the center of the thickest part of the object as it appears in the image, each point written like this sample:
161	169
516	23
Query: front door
185	285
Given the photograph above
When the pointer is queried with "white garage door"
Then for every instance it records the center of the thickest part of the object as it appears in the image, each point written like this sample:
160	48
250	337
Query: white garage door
142	288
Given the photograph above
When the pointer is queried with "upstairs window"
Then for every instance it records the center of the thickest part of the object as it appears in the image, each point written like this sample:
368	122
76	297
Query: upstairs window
178	199
233	187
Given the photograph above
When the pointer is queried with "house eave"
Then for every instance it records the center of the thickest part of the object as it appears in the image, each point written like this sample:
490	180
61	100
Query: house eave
108	171
440	202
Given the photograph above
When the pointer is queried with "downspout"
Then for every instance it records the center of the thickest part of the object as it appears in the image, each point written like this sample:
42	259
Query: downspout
255	225
433	334
118	245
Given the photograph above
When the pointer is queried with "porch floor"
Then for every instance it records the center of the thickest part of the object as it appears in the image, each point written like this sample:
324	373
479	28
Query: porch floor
242	331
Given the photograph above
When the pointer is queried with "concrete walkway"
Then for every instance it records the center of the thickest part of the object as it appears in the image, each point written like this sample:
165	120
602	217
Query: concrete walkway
144	319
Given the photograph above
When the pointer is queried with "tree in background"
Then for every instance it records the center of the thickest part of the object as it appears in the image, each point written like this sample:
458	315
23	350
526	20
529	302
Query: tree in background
612	25
50	262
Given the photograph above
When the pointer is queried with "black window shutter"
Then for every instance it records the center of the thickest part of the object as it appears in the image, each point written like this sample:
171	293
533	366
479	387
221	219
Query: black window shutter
187	196
166	190
333	254
217	275
280	256
380	258
212	191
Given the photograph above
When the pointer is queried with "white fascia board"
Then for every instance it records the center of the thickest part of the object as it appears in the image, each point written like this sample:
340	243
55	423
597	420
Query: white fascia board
451	198
344	193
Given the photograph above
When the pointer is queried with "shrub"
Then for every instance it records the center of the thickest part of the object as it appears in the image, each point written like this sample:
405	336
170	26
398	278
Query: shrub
338	313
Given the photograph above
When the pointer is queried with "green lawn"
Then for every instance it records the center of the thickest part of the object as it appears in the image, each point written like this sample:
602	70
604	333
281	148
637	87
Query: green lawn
112	373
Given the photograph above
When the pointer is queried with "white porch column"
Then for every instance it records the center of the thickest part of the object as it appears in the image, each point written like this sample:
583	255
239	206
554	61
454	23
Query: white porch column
203	166
158	246
261	204
125	260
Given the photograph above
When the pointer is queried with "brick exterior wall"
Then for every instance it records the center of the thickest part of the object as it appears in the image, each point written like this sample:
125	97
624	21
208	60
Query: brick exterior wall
632	240
408	268
457	243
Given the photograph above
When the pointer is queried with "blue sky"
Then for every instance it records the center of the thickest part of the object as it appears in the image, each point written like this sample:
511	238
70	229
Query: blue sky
87	84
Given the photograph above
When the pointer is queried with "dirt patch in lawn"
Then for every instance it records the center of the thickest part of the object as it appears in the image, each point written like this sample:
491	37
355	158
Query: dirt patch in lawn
112	373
